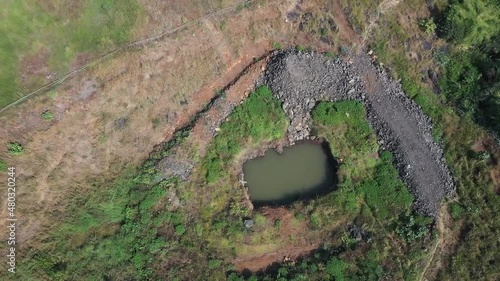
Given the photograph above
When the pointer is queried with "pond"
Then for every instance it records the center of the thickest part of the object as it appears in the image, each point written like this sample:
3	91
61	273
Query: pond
302	171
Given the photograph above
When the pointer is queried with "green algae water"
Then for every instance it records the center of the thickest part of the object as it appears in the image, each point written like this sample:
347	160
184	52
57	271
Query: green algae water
301	171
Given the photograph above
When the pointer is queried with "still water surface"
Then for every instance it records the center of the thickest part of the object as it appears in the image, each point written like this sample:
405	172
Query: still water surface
301	171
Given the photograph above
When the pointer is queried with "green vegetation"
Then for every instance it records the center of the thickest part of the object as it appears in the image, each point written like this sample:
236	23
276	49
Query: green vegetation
3	166
47	115
15	148
53	33
471	74
468	78
472	23
427	25
259	119
276	46
299	48
372	196
128	229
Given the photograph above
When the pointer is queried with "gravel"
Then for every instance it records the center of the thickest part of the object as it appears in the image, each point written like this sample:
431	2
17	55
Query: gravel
301	79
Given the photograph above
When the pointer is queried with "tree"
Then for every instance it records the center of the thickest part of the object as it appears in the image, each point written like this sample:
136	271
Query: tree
472	22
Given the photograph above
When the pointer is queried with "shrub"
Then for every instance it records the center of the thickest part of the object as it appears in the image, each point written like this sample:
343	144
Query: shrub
427	25
413	227
214	264
180	230
456	210
460	83
47	115
15	148
472	22
336	267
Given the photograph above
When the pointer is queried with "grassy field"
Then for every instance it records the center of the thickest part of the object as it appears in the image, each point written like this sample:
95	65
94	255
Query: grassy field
41	39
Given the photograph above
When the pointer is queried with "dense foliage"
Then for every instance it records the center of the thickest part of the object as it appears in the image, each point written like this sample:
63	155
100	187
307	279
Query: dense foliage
471	73
260	118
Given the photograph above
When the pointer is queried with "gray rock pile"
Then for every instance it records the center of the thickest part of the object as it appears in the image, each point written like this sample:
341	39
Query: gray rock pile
299	80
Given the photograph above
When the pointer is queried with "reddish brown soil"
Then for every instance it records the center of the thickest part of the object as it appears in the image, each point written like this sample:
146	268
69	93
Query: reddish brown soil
290	251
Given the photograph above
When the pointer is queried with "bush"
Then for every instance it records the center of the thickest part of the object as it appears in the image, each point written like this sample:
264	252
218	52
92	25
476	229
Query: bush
214	264
180	230
427	25
300	48
472	22
456	210
460	83
15	148
47	115
336	267
413	227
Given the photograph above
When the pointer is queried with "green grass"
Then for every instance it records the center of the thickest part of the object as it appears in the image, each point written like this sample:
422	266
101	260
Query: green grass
386	194
57	31
260	118
362	173
3	166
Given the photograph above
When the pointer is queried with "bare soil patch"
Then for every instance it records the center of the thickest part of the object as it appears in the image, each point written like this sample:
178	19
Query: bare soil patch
295	237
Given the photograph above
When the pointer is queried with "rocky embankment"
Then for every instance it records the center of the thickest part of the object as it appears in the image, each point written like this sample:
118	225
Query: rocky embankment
300	80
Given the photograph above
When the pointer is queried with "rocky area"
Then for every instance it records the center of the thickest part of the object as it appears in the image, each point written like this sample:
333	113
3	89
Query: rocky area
301	79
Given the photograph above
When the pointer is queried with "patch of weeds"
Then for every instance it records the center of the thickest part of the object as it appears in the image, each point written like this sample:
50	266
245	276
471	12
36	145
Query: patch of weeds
91	26
244	5
412	227
344	50
3	166
276	46
330	55
47	115
214	264
156	122
347	118
277	223
427	25
456	210
259	220
15	148
299	48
